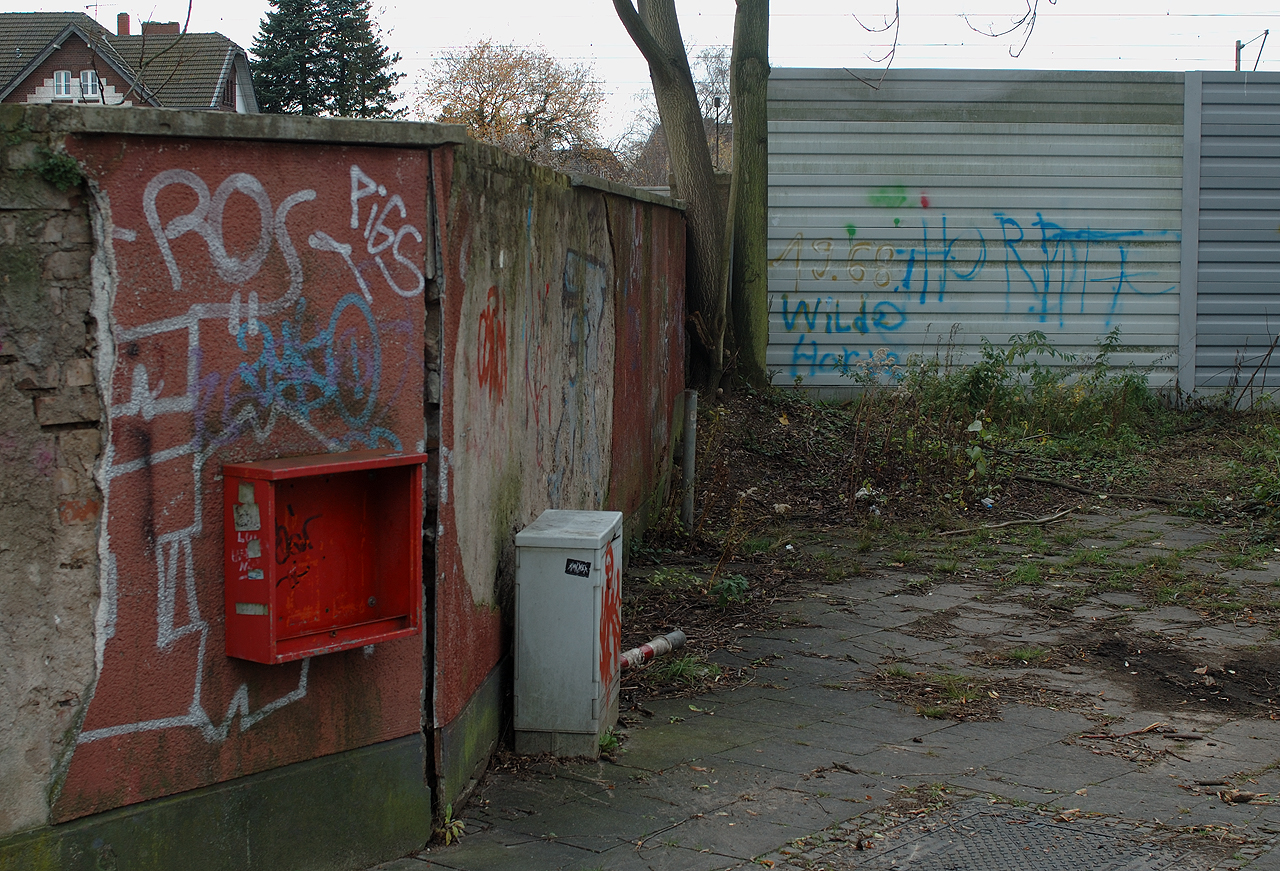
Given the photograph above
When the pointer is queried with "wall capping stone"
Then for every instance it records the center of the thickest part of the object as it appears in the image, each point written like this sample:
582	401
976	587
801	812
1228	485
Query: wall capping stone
187	123
579	180
137	121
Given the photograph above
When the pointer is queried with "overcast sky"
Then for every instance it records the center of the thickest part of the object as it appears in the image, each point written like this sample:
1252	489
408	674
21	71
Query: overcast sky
1071	34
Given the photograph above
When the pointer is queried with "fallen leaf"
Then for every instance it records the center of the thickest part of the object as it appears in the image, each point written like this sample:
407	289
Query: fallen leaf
1238	796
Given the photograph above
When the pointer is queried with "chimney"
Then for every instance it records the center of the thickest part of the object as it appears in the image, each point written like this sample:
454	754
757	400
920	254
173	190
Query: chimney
161	28
122	24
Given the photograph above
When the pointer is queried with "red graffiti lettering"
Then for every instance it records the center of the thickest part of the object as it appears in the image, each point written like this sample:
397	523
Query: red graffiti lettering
491	347
610	622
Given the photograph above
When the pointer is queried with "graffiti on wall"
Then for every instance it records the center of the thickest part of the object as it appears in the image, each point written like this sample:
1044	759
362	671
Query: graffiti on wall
491	347
554	422
611	619
580	444
1047	274
234	342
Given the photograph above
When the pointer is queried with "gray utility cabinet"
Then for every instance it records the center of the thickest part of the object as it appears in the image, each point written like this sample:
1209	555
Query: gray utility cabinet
568	631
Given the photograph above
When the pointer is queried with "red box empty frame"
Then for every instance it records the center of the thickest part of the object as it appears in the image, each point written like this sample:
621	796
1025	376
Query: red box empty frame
323	553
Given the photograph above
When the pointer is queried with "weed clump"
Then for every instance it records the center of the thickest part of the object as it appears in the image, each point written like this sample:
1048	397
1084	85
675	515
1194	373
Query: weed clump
689	671
944	430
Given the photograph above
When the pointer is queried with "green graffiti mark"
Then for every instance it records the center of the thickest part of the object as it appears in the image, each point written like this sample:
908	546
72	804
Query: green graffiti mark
892	197
851	230
897	221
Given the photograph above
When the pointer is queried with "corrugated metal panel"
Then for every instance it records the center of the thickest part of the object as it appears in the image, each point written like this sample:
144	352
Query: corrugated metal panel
988	203
1238	299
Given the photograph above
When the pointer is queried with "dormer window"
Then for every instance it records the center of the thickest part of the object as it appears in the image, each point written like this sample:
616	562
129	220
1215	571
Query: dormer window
89	85
62	85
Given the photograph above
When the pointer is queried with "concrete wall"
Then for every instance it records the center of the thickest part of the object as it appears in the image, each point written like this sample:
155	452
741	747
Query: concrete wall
563	338
50	435
215	289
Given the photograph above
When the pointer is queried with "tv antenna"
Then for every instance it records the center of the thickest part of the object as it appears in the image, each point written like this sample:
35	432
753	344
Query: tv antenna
1240	47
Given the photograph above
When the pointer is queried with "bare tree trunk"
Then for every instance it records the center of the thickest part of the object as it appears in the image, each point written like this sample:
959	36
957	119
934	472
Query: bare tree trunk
656	32
749	193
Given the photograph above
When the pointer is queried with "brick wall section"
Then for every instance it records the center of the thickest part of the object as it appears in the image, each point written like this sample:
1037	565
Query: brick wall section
50	438
75	56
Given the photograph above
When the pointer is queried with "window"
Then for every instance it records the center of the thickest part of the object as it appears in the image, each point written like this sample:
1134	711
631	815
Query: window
89	84
62	85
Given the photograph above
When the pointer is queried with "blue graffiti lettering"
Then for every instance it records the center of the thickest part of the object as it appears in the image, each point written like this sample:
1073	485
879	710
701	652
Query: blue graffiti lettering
888	317
1050	272
802	310
339	369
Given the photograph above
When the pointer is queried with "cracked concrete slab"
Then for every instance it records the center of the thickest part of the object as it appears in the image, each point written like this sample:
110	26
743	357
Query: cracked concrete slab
811	744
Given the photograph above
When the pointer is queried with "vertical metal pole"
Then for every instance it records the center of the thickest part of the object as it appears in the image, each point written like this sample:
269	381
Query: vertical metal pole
688	466
1189	280
1239	48
716	102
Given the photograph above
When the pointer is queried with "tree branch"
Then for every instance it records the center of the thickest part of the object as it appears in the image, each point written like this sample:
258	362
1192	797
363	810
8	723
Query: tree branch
1027	22
896	24
639	32
1163	500
1038	521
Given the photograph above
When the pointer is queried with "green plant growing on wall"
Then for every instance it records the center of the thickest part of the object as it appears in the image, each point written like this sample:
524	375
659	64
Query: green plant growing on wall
58	169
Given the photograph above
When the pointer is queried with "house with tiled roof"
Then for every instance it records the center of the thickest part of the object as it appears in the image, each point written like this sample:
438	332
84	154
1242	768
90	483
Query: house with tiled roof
67	57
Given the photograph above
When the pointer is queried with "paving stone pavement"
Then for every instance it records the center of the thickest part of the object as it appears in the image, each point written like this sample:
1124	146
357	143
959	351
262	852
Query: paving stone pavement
808	762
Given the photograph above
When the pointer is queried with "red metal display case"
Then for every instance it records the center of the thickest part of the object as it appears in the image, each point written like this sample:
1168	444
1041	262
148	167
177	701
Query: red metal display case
323	553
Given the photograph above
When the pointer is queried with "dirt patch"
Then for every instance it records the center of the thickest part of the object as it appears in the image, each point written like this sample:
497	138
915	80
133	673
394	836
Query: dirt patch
934	626
1164	677
952	696
794	496
942	696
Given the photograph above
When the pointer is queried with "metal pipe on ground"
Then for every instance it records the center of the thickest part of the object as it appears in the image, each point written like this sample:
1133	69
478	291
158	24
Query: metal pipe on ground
659	646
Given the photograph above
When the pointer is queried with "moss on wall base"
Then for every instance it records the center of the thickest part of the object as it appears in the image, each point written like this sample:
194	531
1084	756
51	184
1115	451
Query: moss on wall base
466	744
339	812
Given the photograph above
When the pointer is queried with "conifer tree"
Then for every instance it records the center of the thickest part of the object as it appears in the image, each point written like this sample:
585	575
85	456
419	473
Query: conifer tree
324	57
363	79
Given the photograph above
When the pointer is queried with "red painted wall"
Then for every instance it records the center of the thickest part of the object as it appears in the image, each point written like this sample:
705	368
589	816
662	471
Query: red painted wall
469	637
563	350
268	302
649	368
